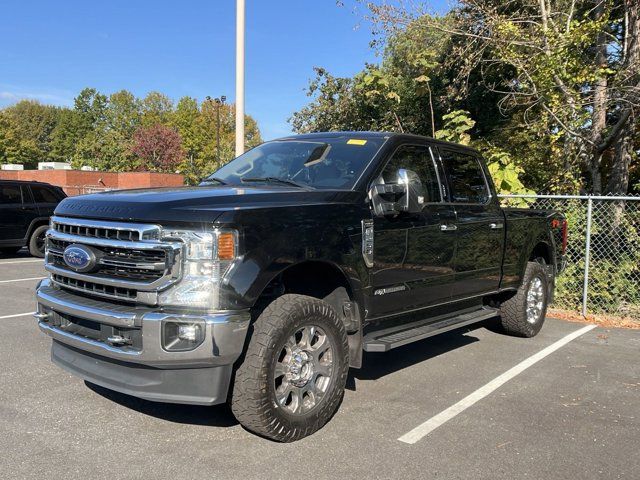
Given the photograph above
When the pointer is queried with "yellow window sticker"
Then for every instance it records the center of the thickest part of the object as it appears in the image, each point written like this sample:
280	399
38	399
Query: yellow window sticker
356	141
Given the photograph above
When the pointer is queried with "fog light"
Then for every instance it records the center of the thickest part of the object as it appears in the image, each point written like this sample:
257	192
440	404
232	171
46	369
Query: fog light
188	332
180	336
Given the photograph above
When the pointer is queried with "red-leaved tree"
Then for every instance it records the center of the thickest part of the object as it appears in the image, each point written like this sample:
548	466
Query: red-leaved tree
159	148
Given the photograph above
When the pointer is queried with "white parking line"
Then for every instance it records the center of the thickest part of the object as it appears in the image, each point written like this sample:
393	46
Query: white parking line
18	315
430	425
13	262
22	279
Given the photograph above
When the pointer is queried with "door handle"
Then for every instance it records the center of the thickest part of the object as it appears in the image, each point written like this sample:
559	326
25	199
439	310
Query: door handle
448	228
496	226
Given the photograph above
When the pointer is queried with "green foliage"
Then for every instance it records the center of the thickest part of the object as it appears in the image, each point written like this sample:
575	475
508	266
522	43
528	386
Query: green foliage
99	131
506	173
526	77
456	127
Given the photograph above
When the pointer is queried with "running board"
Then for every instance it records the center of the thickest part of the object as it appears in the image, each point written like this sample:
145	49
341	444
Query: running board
385	340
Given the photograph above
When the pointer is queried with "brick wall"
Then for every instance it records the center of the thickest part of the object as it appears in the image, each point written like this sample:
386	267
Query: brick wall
75	182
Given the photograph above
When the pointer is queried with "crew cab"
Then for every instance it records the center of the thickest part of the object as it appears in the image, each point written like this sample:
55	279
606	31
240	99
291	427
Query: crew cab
266	283
25	208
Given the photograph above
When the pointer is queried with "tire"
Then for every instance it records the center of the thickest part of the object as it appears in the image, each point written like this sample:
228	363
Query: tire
9	250
272	390
523	314
36	241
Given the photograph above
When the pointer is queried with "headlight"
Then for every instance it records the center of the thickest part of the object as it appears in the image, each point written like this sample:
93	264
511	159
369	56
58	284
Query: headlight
208	256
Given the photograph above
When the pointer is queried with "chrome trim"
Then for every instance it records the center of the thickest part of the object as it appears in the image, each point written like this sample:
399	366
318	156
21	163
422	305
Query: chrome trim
145	231
160	284
367	242
69	304
105	242
225	332
148	238
109	262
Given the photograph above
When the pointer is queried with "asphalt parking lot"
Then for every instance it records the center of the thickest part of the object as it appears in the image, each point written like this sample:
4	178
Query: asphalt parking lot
574	413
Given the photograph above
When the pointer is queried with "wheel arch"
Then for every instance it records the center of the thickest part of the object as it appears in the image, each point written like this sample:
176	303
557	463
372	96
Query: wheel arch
302	278
542	249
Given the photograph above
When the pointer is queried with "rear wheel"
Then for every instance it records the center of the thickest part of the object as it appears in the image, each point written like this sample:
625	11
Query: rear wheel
292	378
36	242
524	313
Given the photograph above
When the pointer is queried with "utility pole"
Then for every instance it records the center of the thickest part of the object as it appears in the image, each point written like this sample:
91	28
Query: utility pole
240	16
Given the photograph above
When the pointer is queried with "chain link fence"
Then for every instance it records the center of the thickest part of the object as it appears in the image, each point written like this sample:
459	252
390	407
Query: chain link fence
603	252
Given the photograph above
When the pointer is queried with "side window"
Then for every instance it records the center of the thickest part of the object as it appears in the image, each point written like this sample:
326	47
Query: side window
418	159
10	194
43	194
466	178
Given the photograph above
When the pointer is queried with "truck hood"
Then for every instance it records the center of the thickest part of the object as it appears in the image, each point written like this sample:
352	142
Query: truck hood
193	204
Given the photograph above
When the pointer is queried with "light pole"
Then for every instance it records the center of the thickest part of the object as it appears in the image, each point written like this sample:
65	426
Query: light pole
239	77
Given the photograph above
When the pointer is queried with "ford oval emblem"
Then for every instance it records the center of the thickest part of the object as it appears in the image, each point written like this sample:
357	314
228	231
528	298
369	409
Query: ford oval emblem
79	258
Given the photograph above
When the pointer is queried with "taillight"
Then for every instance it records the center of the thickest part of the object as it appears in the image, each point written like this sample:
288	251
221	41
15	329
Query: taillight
565	232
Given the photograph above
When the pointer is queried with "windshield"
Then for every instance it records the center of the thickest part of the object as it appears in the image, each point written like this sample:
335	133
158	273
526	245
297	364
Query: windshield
319	163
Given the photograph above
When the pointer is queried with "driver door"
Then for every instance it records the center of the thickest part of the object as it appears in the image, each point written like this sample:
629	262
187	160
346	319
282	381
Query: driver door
413	259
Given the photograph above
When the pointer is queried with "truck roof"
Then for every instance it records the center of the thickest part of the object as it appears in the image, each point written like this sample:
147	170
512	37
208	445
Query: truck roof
368	134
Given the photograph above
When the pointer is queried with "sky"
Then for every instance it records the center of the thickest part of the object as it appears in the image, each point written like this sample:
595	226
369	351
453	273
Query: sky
49	51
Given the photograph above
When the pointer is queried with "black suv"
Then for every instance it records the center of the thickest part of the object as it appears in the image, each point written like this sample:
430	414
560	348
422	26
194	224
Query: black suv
25	208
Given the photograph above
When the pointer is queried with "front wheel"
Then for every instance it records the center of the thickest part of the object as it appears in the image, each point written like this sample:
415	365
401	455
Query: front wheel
292	378
37	241
524	313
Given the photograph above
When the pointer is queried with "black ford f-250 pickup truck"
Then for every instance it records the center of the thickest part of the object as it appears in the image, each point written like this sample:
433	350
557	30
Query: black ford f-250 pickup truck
264	284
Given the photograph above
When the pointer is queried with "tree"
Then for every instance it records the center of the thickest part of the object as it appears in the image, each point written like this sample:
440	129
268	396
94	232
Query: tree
106	150
572	64
156	109
123	112
32	124
91	106
14	148
553	84
66	135
101	131
158	147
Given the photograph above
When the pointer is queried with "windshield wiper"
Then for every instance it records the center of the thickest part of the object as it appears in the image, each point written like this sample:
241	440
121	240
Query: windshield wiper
283	181
211	180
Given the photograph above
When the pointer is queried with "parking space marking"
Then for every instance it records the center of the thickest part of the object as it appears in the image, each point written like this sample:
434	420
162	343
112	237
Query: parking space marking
14	262
21	279
17	315
434	422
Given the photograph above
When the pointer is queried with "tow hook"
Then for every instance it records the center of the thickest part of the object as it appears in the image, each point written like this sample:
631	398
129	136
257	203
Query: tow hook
118	340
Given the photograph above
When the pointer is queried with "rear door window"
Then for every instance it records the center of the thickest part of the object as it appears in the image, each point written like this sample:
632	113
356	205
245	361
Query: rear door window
467	182
10	194
43	194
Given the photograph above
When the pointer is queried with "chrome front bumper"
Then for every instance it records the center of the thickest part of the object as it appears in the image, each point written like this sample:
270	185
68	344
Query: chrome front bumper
149	372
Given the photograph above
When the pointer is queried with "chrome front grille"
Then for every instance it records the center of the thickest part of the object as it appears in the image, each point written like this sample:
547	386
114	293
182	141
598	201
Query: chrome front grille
133	263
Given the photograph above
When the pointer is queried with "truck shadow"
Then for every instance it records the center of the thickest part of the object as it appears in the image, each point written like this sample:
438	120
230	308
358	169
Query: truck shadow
214	416
377	365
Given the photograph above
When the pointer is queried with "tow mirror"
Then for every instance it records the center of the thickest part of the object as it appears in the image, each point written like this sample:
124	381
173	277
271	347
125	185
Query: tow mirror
407	195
